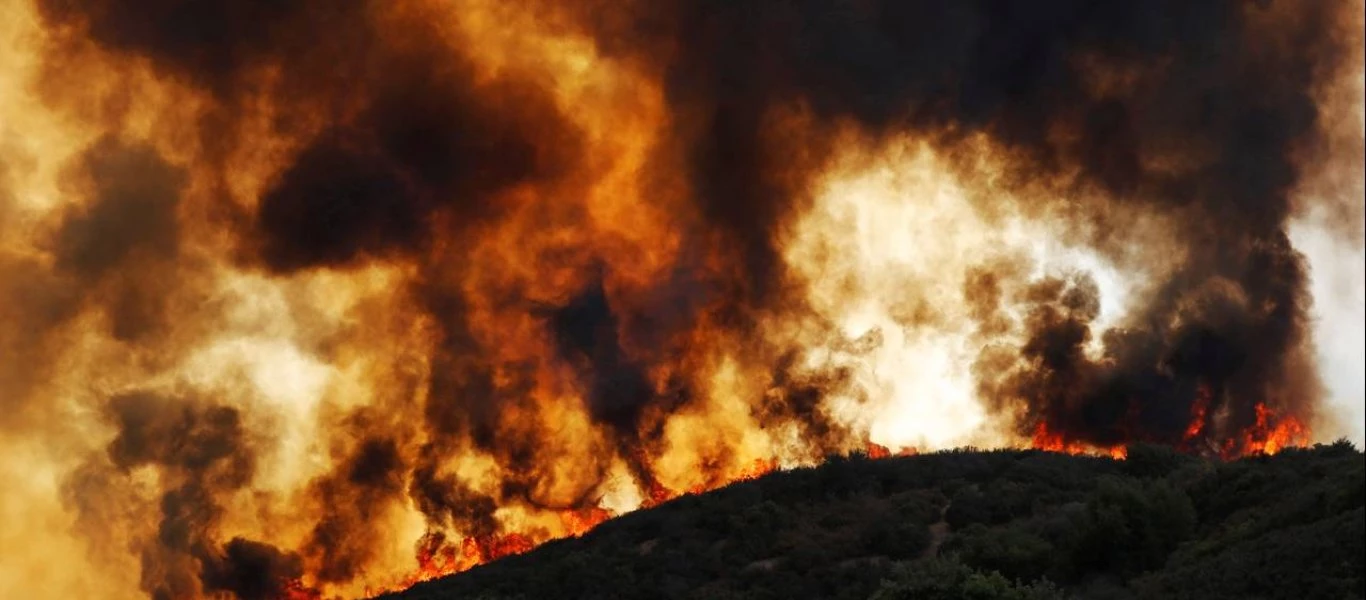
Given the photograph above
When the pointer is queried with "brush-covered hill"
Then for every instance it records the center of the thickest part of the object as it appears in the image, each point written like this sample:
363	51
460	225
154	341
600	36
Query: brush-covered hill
1019	525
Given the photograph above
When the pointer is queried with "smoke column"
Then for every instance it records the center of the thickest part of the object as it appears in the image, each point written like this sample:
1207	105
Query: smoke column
315	299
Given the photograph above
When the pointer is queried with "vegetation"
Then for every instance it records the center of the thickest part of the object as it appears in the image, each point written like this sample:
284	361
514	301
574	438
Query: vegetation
1017	525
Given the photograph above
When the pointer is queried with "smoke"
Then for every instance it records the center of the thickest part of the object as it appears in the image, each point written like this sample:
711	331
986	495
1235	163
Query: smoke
1180	109
322	298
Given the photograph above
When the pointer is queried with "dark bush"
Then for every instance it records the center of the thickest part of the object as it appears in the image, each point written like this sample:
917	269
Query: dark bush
1015	553
938	579
1151	460
1133	525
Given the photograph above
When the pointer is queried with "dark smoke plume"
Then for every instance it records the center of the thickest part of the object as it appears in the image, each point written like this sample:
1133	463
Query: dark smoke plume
1205	92
205	454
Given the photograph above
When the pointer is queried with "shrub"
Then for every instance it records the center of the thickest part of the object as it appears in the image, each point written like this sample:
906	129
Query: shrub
939	579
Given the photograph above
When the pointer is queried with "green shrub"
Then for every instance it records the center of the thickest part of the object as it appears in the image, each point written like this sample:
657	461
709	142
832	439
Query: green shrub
1133	525
1014	553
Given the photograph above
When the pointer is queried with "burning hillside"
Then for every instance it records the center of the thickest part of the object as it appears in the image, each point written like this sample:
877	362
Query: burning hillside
314	298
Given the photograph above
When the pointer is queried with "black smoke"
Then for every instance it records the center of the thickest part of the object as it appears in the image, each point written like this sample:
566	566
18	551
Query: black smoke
252	570
587	333
1192	110
204	455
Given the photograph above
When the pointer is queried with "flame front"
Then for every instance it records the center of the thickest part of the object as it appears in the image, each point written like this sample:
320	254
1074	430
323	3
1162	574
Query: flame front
307	299
1271	434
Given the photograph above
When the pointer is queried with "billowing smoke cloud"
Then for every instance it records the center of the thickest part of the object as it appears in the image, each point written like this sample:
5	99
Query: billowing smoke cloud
1180	108
204	455
297	292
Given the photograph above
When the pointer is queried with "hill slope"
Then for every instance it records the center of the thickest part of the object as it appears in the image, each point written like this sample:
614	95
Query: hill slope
967	524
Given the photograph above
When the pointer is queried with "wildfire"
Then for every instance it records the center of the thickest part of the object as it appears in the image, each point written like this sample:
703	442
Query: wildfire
1044	439
1050	441
878	451
372	292
874	450
1198	410
579	522
436	559
296	590
1270	434
657	494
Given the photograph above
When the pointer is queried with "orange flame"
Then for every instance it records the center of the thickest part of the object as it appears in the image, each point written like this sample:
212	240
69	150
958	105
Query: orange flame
1044	439
877	451
436	559
1271	434
1198	413
296	590
759	468
1268	435
657	494
579	522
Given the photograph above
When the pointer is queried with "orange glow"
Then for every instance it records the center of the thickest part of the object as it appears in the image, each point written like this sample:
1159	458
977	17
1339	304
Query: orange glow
759	468
438	560
657	494
498	546
398	288
579	522
1267	436
1272	433
294	590
1198	410
1044	439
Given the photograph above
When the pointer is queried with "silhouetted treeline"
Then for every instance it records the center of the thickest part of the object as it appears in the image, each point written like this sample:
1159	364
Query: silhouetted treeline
981	525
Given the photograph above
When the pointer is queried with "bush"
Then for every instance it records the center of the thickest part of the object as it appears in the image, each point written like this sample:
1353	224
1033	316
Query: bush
939	579
1151	460
1133	525
1014	553
897	539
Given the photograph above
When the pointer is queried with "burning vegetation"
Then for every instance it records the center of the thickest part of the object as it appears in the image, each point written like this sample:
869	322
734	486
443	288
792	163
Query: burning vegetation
311	299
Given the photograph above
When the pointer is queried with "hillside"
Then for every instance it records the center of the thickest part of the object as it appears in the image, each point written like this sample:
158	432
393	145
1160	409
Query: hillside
1019	525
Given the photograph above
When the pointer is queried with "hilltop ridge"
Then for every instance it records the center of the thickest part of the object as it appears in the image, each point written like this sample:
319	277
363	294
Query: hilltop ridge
1005	524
